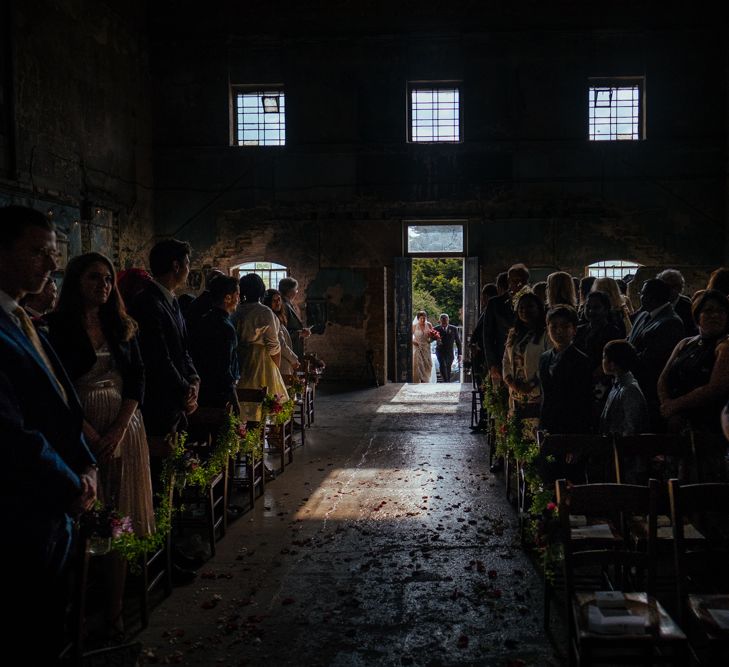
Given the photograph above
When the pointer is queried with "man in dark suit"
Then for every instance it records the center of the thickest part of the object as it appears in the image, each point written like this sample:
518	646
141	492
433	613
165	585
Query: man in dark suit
48	472
172	381
444	348
478	359
655	333
289	288
214	346
499	319
680	302
202	304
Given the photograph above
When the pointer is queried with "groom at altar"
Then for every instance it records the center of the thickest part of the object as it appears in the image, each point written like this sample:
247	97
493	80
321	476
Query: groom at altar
444	347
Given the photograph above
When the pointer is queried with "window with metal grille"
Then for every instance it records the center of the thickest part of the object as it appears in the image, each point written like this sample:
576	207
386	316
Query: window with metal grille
435	114
616	110
612	268
270	272
260	117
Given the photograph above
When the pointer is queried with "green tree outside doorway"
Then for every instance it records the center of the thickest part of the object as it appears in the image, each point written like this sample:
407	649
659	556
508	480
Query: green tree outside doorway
441	279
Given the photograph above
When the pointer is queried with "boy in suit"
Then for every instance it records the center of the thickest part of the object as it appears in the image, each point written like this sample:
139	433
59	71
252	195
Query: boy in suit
565	374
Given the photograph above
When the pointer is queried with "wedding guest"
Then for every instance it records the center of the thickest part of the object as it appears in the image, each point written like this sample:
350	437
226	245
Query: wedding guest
656	331
525	344
131	282
203	302
37	305
694	385
584	289
214	346
96	341
499	319
540	290
476	345
289	360
719	280
619	311
259	350
591	339
560	290
565	375
289	288
48	473
626	410
680	302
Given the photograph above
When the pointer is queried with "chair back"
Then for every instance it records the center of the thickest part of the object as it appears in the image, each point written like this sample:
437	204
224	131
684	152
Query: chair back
642	448
700	564
581	446
613	505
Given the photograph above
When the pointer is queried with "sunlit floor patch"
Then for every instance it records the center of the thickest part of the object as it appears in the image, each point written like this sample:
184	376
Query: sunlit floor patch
340	496
424	399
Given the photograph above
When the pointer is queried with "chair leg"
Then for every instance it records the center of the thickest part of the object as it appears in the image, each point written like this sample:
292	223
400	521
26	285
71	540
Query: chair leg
210	511
144	597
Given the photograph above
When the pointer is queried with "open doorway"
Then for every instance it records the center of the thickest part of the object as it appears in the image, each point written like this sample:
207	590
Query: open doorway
445	244
437	289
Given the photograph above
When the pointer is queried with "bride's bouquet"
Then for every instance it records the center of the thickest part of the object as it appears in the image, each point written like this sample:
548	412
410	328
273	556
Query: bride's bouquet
433	335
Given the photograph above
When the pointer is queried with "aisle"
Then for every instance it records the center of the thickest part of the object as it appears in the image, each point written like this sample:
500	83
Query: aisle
387	542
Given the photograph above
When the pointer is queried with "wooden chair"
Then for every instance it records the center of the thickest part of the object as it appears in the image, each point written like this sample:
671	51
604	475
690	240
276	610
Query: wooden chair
657	638
255	469
581	447
299	400
280	437
636	458
702	581
161	561
203	428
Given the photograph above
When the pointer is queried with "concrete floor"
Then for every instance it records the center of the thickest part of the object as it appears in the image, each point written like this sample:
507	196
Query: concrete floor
387	542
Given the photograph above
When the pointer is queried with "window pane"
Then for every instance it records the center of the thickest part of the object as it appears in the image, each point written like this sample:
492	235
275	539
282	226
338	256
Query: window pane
614	113
261	123
434	115
435	238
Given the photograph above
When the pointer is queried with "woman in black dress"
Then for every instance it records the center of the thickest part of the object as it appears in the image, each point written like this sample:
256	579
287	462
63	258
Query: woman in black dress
694	384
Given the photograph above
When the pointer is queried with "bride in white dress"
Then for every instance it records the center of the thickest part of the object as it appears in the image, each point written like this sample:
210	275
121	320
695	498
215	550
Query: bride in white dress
422	361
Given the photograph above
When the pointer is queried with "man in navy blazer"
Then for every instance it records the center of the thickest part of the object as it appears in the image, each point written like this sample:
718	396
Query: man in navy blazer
172	383
48	473
655	333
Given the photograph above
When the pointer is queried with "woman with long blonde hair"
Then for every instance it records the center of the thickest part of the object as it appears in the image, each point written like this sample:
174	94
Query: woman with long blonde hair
560	290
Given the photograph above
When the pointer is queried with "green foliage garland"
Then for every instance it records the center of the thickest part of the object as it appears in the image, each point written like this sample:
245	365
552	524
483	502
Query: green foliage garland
514	438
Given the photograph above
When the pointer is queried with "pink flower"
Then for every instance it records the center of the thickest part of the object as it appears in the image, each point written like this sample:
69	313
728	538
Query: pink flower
551	507
241	430
277	407
121	526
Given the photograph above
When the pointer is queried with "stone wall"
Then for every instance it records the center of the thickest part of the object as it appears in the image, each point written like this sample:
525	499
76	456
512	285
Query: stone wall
76	120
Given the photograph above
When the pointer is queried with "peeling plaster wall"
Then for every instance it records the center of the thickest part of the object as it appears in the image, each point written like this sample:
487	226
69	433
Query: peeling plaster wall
80	119
529	184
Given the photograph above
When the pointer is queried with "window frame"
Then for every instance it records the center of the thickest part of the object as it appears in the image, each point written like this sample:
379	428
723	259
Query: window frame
619	82
444	84
262	90
612	265
453	222
240	269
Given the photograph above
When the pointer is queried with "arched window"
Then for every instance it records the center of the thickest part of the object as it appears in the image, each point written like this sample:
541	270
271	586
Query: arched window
612	268
269	271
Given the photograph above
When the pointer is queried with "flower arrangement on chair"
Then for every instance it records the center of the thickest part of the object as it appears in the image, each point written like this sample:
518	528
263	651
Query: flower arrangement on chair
104	525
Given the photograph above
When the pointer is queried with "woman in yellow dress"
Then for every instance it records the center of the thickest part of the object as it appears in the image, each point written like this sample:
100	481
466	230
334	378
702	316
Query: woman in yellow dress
259	349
